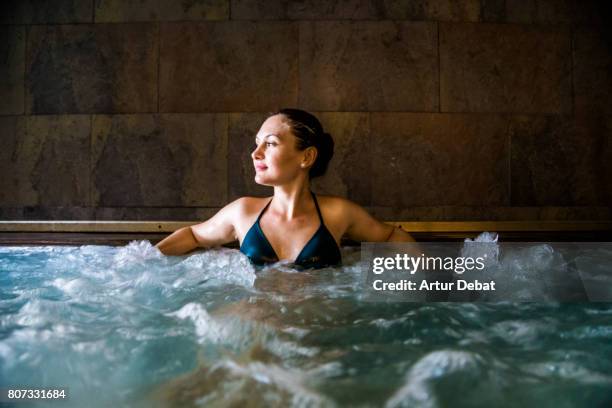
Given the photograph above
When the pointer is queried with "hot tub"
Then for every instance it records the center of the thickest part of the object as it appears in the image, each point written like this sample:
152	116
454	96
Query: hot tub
124	325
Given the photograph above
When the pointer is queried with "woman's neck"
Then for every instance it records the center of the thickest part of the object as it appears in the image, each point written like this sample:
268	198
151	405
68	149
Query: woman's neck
290	202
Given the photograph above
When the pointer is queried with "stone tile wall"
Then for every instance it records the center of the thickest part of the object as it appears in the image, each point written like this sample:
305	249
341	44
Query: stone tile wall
440	109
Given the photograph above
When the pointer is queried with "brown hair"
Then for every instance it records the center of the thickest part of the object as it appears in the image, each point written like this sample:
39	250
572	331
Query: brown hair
309	132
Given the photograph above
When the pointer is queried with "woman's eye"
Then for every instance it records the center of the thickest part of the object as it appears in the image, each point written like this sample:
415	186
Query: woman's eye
268	144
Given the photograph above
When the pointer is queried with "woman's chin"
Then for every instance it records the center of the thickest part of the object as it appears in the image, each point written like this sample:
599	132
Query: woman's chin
261	180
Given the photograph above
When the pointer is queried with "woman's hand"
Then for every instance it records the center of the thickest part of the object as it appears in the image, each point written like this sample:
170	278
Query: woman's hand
399	235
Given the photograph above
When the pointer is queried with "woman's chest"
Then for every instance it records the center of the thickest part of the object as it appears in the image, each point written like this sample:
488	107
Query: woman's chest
287	239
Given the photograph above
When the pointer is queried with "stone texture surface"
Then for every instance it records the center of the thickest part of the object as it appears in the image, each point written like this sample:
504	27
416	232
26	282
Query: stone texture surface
243	128
544	11
505	68
557	161
12	66
51	213
154	214
524	134
101	68
349	173
11	213
45	11
538	11
160	10
429	213
491	213
592	68
439	159
160	160
228	66
437	10
44	160
376	66
445	10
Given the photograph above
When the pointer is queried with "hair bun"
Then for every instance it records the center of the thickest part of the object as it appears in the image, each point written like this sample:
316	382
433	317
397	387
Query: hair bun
328	142
325	151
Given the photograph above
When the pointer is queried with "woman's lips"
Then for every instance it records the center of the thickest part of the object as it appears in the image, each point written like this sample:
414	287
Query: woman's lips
260	167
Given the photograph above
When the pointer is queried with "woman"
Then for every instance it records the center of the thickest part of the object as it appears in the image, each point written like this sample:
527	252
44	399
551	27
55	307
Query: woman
294	224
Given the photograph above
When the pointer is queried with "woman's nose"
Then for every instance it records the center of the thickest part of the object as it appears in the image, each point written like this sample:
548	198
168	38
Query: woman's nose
257	153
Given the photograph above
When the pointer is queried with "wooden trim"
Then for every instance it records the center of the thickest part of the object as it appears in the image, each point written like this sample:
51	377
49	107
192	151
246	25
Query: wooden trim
409	226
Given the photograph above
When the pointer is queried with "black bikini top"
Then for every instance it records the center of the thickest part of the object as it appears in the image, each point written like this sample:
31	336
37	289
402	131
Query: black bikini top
319	252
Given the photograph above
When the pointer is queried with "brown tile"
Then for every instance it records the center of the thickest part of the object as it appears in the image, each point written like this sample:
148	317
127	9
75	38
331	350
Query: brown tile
544	11
505	68
259	10
52	213
307	10
11	213
592	68
154	214
554	11
539	11
356	10
520	11
493	11
44	160
349	173
159	160
436	10
12	50
357	66
592	13
585	213
243	128
99	68
491	213
228	66
439	159
160	10
45	12
559	162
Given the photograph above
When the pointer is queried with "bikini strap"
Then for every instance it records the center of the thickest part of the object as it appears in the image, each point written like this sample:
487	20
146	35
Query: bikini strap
317	205
264	209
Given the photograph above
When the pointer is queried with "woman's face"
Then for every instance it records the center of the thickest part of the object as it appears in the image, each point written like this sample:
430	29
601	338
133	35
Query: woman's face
276	158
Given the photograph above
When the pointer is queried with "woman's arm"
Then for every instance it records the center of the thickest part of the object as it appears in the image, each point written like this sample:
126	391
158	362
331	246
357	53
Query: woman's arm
216	231
363	227
179	242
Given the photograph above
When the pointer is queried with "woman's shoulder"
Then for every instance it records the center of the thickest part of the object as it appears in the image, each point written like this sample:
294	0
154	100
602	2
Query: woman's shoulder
247	205
335	202
338	208
339	213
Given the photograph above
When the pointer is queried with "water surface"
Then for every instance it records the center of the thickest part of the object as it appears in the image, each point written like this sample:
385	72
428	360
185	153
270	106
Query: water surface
127	325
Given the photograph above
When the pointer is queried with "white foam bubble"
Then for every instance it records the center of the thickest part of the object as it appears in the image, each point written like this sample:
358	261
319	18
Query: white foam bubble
417	390
289	380
207	329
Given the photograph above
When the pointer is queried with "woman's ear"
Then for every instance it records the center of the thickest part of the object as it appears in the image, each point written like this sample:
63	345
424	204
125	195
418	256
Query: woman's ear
310	155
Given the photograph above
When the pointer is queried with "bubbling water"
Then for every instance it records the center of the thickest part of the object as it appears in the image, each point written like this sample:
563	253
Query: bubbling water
135	328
